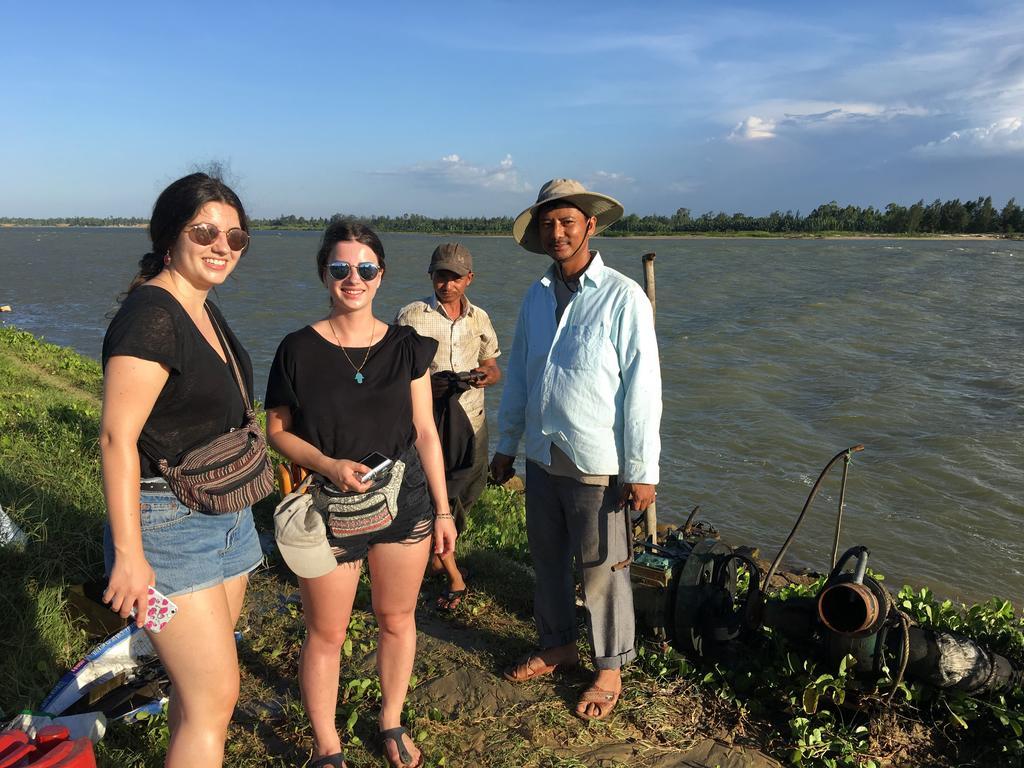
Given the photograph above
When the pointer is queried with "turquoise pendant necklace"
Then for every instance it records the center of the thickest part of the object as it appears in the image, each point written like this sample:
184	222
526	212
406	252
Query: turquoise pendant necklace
359	371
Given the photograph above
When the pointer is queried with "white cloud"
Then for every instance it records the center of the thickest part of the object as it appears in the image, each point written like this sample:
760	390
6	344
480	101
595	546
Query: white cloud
605	178
1003	137
452	171
753	128
683	186
776	117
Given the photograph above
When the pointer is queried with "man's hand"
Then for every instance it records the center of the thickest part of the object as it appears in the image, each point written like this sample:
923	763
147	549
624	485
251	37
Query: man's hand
501	468
637	496
489	373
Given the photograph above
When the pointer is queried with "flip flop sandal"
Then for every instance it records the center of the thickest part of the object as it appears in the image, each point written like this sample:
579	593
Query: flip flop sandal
605	701
395	735
446	599
337	760
532	667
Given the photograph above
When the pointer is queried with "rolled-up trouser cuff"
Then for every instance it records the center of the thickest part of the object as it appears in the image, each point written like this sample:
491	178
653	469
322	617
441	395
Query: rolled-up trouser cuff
616	662
557	639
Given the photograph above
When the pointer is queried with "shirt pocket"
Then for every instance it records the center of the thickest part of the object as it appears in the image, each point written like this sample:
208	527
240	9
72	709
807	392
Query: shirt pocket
580	347
161	510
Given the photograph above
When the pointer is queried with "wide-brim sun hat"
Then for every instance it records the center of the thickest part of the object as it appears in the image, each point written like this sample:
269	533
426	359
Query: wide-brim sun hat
606	209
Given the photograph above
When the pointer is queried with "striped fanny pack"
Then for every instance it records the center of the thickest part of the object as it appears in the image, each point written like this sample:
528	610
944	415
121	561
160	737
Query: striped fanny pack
228	474
232	471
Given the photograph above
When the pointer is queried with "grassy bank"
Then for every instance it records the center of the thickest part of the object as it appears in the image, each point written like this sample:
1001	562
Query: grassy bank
771	703
49	484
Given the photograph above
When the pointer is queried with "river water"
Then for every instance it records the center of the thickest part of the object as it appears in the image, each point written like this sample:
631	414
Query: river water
776	354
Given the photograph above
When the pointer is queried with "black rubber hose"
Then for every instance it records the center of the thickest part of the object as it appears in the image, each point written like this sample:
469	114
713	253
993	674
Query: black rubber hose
807	505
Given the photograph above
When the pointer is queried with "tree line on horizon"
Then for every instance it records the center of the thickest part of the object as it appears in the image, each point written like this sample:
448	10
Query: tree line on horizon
938	217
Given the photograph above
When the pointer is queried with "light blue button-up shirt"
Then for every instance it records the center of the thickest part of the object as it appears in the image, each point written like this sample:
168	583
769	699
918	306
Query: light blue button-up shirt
589	383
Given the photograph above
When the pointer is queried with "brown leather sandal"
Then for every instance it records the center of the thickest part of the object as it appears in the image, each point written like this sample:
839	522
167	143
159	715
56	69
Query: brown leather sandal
605	701
532	666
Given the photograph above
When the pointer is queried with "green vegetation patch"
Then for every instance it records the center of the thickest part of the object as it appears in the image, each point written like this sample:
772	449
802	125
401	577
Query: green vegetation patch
49	486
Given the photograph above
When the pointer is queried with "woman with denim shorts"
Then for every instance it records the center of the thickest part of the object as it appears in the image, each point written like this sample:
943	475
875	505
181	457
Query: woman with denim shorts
168	387
341	389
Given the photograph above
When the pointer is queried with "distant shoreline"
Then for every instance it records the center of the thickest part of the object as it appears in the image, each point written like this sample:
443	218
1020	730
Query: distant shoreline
755	235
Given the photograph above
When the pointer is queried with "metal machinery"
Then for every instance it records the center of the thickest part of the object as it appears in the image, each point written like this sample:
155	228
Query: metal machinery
688	590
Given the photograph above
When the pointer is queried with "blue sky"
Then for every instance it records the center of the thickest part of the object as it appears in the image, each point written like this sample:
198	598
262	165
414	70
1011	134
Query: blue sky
466	109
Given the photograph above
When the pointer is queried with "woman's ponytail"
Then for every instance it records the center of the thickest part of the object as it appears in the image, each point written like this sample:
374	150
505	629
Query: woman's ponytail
150	266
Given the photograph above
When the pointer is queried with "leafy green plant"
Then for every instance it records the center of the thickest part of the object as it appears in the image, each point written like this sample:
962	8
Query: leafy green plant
498	524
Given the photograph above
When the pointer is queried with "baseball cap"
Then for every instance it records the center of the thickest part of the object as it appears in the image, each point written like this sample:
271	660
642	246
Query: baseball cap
302	537
454	257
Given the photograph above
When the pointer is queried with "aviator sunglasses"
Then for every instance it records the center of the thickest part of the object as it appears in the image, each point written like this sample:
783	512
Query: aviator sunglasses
366	270
205	234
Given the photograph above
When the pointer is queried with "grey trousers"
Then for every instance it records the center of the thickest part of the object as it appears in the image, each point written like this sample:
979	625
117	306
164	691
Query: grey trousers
566	519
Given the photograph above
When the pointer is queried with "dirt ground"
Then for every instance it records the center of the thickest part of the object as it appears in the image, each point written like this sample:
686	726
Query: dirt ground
461	710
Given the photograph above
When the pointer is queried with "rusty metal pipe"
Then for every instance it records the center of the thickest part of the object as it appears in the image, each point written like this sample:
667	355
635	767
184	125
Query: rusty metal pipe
848	608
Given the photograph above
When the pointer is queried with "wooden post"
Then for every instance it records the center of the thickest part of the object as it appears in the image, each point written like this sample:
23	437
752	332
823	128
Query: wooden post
648	262
651	515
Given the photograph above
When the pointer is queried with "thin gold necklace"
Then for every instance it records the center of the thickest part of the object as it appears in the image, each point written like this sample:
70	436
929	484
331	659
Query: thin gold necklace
359	376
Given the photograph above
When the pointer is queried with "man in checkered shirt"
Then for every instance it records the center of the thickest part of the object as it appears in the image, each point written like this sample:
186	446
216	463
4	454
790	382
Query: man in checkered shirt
466	342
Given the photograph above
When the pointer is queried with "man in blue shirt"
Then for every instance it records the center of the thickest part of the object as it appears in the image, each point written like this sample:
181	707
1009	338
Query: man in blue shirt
583	387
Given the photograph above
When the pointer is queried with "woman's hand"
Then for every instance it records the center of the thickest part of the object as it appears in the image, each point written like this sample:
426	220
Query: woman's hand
444	535
129	584
348	475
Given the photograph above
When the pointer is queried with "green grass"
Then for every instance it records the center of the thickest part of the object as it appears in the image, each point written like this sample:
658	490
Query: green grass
795	709
49	485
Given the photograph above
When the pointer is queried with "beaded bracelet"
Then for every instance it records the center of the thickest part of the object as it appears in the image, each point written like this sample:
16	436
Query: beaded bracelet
444	516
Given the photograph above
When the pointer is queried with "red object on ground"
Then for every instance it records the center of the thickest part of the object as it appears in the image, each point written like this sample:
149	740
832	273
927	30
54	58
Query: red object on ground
14	747
50	749
51	734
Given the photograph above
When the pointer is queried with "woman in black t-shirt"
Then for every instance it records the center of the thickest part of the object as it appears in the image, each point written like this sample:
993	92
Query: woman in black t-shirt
344	387
168	388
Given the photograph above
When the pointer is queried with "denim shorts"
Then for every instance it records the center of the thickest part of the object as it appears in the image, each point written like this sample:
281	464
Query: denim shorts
190	550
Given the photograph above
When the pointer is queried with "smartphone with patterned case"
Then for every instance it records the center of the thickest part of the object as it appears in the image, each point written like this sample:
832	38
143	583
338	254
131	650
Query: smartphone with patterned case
160	609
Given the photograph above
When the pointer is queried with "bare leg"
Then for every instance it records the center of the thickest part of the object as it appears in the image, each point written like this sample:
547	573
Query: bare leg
396	571
197	649
234	591
326	607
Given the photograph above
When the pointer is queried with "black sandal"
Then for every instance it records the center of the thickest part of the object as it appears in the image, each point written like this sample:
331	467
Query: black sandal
451	599
337	760
395	735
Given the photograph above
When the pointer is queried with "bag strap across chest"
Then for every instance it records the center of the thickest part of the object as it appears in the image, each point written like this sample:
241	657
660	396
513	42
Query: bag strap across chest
236	373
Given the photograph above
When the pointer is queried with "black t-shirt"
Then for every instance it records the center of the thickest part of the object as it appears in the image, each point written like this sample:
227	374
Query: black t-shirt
200	399
330	410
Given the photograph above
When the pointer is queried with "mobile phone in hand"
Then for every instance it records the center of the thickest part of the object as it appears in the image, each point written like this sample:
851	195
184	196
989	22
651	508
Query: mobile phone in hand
378	464
160	609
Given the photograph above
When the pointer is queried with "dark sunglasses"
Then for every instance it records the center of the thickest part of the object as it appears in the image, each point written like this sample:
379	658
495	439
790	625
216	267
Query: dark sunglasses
205	234
340	270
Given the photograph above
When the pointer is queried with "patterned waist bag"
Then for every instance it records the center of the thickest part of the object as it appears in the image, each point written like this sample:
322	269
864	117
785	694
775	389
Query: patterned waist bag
348	513
232	471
